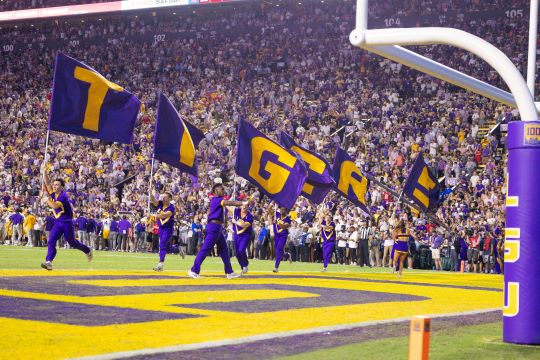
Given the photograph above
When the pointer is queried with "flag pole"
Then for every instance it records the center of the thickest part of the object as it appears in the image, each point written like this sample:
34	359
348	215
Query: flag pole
150	183
234	187
45	159
214	128
399	197
37	205
149	195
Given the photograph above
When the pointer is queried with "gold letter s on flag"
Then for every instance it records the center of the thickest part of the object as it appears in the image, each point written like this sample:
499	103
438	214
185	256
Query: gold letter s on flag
96	94
278	174
345	180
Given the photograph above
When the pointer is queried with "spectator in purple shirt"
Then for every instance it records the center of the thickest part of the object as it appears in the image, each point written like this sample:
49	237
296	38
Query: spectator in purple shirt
113	235
91	232
82	224
124	227
5	199
139	233
436	244
16	222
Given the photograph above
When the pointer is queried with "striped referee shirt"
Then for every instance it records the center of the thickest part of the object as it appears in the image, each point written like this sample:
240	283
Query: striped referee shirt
365	233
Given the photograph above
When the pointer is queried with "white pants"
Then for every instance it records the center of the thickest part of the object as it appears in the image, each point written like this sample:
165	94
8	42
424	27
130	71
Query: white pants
94	242
2	232
17	229
83	237
30	236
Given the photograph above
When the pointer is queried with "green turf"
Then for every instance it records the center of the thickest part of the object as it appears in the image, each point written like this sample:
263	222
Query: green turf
470	342
16	257
474	342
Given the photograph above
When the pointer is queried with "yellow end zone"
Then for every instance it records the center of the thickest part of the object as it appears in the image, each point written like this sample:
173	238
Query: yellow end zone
33	338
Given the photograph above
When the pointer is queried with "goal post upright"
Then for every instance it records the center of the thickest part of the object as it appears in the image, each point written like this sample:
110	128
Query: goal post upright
533	35
521	309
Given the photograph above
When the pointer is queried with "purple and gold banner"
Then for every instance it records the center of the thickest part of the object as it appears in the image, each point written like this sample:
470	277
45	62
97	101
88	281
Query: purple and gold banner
521	309
175	140
276	171
350	183
87	104
422	186
319	178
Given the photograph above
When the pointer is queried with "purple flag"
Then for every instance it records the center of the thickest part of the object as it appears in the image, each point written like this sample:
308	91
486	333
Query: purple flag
87	104
319	178
422	186
276	171
176	140
350	182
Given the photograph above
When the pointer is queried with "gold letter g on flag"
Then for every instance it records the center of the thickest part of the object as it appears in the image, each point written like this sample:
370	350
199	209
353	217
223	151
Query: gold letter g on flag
278	174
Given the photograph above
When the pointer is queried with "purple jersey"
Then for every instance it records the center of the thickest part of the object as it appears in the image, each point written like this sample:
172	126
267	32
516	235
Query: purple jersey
65	212
16	219
124	226
139	228
328	235
216	210
91	226
82	223
278	230
167	223
247	219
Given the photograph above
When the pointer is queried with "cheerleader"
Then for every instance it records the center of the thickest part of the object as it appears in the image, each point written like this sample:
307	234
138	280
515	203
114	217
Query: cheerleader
328	234
401	237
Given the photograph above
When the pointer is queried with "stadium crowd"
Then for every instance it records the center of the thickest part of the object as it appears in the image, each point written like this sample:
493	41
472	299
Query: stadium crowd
10	5
312	84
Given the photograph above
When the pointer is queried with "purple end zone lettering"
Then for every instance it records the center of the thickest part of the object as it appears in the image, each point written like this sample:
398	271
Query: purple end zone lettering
78	314
327	297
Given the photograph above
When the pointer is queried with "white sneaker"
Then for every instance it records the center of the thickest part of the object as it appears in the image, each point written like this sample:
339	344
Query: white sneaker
233	275
244	270
159	267
47	265
193	275
275	270
90	255
323	270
